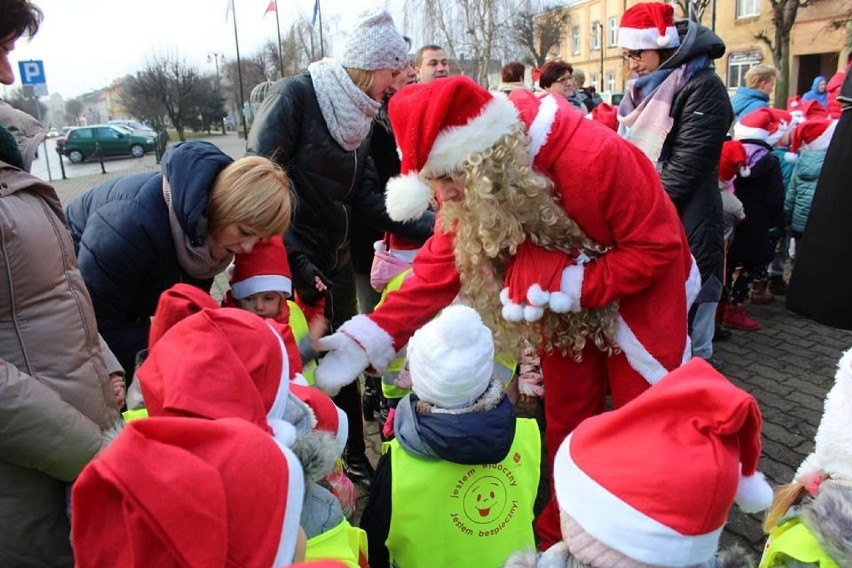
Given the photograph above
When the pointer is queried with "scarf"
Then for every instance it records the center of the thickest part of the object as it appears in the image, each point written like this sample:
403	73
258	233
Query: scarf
645	113
347	110
196	261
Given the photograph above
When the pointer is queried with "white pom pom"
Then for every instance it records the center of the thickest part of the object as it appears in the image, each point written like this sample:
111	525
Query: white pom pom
536	296
560	302
663	41
745	171
753	493
407	197
513	312
790	157
533	313
504	297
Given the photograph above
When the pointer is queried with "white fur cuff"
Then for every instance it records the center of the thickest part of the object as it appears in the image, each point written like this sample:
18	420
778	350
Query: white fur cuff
571	286
342	364
373	339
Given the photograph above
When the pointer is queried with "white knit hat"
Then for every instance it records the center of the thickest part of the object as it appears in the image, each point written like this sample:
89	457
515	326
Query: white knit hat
374	43
451	358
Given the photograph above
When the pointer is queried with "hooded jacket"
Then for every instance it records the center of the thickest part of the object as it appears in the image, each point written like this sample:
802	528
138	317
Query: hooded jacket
815	95
475	437
746	100
57	409
800	192
689	161
124	242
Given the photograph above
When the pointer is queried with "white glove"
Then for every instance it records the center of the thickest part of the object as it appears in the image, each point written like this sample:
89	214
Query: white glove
342	363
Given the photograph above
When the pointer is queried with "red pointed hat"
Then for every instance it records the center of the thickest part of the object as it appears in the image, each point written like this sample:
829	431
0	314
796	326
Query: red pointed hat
437	126
175	304
756	125
655	479
188	492
733	161
606	114
264	269
648	25
813	134
218	363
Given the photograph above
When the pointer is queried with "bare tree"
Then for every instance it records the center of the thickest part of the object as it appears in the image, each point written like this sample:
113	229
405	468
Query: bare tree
693	9
538	32
73	109
784	14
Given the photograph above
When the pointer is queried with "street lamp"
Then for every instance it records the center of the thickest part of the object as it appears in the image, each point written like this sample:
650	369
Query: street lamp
214	56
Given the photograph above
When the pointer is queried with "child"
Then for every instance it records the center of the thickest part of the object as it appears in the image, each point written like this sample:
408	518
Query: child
457	484
188	492
808	523
650	484
776	285
261	283
762	196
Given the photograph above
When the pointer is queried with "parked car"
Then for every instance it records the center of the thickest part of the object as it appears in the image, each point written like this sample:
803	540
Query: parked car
133	125
84	142
53	132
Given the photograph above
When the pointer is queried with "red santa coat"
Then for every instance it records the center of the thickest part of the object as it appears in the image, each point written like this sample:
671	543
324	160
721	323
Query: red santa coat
614	194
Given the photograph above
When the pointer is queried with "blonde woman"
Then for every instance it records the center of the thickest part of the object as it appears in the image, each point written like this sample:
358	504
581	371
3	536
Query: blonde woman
137	236
317	125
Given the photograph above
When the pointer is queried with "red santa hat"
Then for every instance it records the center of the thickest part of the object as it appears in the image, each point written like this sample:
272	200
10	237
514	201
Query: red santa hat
437	126
606	114
654	480
756	125
264	269
222	363
329	418
187	492
784	122
813	134
175	304
648	25
803	110
733	162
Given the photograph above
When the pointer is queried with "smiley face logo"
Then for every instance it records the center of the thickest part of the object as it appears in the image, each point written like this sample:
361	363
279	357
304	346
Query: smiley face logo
485	500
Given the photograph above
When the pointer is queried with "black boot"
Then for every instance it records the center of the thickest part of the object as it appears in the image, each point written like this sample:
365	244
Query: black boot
359	469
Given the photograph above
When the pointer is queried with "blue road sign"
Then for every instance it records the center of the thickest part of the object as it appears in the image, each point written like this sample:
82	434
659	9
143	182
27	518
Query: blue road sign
32	72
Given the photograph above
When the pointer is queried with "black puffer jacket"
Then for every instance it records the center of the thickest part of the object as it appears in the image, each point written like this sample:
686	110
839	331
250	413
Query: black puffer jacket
690	159
332	186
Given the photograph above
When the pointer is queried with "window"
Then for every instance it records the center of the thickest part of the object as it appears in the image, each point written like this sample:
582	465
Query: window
594	81
575	39
81	134
748	8
610	81
596	36
106	133
738	65
613	32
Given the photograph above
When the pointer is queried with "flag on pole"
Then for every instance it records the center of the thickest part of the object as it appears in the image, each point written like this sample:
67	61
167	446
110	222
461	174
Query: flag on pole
229	10
272	7
316	12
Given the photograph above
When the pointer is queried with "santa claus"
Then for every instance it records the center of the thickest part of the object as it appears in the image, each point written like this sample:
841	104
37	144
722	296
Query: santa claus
555	229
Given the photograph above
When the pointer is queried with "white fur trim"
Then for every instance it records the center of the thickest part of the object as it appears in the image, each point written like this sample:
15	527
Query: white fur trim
822	141
299	379
533	313
693	283
536	296
512	312
279	405
833	452
342	434
262	283
453	145
742	132
637	355
342	364
293	509
619	526
647	38
373	339
556	556
571	284
753	493
539	130
407	197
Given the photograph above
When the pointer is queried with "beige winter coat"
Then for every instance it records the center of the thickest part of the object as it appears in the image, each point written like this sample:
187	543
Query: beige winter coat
56	407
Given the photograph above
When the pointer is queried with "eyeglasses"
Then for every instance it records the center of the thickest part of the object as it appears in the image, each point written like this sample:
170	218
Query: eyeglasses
632	55
563	79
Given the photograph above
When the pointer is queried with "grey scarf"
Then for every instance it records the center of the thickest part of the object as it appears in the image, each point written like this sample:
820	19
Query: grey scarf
196	261
347	110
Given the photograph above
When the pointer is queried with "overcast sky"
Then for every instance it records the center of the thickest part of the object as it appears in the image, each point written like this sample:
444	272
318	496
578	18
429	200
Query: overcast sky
85	44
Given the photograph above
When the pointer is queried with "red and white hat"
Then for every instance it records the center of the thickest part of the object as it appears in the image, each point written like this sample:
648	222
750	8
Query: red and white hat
188	492
655	479
649	25
329	418
733	162
437	126
176	304
219	363
756	125
785	123
804	110
813	134
264	269
606	114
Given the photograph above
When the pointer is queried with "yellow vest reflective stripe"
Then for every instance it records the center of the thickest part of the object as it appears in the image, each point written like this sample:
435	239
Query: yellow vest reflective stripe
794	540
344	543
448	514
504	368
299	327
134	414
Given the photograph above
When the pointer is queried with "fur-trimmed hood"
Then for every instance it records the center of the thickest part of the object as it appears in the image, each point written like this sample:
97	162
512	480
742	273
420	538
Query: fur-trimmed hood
829	517
558	556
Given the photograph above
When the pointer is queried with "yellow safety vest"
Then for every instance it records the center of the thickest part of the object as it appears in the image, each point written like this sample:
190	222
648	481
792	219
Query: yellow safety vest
448	514
794	540
299	326
344	543
134	414
504	366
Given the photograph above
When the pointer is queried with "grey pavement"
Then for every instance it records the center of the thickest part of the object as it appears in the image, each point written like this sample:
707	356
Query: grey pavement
788	366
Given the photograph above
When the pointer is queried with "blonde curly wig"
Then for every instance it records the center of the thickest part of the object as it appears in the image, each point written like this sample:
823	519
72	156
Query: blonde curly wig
505	202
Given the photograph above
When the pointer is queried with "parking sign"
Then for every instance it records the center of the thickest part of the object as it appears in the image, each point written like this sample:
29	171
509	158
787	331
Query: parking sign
32	72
